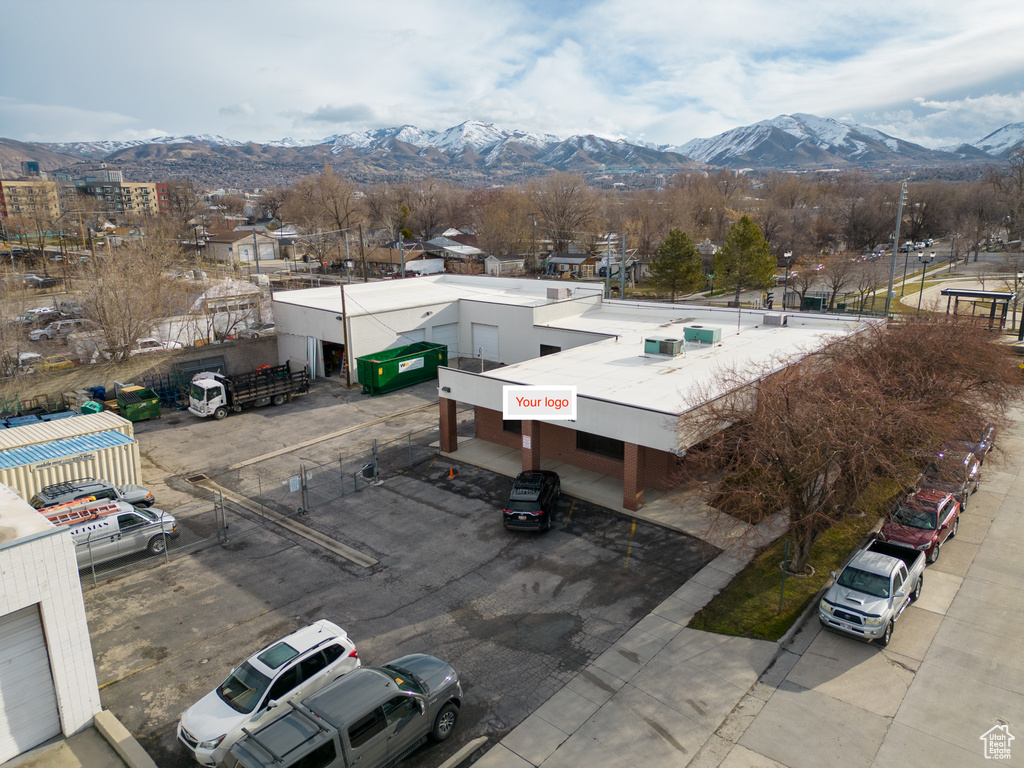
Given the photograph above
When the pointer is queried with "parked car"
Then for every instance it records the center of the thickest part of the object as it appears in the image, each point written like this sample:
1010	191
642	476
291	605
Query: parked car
36	318
39	282
57	363
142	346
978	437
60	329
256	330
370	718
870	594
88	488
28	362
288	670
72	309
955	470
118	529
532	501
923	521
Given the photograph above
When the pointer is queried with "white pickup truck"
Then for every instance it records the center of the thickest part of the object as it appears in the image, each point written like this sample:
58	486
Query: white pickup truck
872	591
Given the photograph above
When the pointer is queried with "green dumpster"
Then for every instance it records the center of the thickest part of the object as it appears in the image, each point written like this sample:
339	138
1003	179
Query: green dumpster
393	369
139	404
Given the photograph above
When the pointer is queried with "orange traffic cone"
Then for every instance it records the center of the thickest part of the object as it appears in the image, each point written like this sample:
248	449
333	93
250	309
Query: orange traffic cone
451	472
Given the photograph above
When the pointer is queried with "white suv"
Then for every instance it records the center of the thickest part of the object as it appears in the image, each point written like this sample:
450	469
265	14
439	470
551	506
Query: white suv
287	670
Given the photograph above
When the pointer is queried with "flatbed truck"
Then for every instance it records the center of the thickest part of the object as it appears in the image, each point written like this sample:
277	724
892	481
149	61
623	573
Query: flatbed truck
217	394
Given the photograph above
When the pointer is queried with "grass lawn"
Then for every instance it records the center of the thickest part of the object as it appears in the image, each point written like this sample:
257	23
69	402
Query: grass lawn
749	605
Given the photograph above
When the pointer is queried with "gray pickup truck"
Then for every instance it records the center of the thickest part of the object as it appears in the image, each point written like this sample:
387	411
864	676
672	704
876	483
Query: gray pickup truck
872	591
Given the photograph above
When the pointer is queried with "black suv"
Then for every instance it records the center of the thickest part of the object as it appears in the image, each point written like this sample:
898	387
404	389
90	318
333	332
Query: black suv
87	488
956	471
533	501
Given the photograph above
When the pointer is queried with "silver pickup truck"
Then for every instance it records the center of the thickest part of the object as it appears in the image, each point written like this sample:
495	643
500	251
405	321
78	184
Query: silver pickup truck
871	592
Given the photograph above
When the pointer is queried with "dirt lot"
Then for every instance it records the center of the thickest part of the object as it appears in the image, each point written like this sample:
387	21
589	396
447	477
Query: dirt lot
516	614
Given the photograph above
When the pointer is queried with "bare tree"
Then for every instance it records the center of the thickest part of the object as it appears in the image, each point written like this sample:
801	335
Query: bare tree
565	209
854	421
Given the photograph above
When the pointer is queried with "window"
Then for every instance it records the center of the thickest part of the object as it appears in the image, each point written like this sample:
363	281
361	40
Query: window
312	665
512	425
284	684
399	708
125	522
321	757
603	446
366	727
332	653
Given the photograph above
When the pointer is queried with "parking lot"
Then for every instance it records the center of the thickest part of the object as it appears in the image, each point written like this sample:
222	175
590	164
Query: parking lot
517	614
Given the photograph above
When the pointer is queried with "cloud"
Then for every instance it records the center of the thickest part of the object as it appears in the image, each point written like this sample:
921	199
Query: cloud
341	115
237	110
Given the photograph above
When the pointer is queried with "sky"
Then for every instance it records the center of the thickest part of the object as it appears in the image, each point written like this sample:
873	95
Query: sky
934	72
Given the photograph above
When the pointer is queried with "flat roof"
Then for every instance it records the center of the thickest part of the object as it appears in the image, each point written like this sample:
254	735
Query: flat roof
618	370
390	295
18	518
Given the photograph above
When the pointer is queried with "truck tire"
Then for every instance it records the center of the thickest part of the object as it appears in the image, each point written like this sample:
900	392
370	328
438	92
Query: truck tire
157	545
917	590
883	641
279	400
445	722
220	413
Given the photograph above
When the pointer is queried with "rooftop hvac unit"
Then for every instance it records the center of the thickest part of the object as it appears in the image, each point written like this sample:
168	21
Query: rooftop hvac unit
660	345
776	318
557	294
703	334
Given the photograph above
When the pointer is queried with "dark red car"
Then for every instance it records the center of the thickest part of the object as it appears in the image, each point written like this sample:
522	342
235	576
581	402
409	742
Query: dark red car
923	521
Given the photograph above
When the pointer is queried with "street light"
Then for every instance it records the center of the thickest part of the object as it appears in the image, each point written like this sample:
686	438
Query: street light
788	255
925	261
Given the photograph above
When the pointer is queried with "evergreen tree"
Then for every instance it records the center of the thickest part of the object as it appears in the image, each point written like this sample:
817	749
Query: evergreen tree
745	261
677	267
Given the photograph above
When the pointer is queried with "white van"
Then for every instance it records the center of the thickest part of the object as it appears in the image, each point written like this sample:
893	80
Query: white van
120	530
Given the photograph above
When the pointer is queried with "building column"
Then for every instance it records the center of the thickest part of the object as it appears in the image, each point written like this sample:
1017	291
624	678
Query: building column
632	474
449	425
531	445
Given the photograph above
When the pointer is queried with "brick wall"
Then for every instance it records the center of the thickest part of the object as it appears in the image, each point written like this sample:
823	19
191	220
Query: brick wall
559	444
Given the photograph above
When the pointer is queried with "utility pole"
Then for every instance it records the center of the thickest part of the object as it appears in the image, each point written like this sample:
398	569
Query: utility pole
401	251
895	248
622	270
362	250
608	268
256	248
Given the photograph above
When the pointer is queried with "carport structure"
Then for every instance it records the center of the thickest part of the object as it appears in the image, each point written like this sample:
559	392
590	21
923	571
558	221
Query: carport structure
998	298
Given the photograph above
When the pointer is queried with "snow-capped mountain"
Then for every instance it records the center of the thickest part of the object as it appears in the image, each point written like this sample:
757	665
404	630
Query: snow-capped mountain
801	141
1000	143
475	150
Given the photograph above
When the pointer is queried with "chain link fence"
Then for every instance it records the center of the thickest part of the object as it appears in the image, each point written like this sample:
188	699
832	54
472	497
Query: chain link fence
250	499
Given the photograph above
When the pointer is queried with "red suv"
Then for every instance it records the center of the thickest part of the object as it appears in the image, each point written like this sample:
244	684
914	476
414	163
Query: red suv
923	521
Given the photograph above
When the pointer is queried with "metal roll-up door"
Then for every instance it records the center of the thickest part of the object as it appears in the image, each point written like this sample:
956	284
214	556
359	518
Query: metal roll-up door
485	341
447	334
28	700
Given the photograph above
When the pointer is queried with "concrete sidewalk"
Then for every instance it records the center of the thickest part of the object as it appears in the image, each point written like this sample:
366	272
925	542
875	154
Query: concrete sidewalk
665	695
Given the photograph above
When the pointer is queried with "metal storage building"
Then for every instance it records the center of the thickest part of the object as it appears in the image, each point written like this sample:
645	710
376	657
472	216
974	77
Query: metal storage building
100	445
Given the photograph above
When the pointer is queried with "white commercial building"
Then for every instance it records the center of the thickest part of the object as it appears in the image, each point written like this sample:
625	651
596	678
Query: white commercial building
47	677
641	369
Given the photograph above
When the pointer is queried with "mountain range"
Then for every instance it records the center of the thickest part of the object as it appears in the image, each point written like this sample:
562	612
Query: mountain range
476	151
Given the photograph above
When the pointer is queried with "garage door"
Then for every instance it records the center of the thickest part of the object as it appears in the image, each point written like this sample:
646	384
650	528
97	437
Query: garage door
485	341
28	701
447	334
411	337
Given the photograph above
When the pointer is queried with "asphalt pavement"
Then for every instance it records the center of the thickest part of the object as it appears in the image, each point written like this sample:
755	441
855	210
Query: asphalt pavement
947	691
